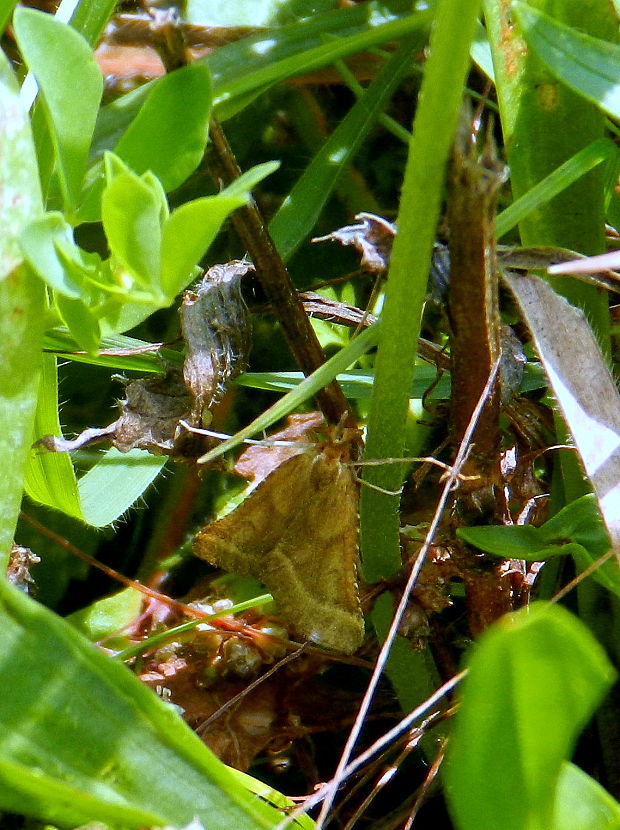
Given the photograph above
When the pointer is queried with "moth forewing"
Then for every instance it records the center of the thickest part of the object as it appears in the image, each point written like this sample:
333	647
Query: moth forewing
298	534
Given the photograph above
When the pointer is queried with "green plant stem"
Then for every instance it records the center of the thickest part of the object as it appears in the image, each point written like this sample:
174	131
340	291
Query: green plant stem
22	299
434	127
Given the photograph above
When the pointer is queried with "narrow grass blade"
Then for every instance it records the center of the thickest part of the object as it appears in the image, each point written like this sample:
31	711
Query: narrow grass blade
308	387
600	151
302	207
435	122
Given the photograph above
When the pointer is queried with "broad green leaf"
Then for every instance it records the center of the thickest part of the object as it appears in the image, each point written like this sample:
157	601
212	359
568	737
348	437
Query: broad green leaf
107	616
582	804
115	483
22	303
191	228
156	140
70	86
40	242
82	740
134	236
50	478
82	324
509	542
301	208
581	522
588	65
534	680
577	531
189	231
131	215
151	139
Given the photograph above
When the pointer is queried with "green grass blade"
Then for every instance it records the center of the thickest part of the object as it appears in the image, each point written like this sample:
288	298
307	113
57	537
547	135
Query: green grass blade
59	341
273	72
90	17
6	10
242	70
302	207
308	387
599	151
435	121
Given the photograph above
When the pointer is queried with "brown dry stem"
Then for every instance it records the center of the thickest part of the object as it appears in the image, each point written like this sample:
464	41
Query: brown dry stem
275	279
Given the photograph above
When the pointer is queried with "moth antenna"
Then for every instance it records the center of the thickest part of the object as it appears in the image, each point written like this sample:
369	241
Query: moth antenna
223	436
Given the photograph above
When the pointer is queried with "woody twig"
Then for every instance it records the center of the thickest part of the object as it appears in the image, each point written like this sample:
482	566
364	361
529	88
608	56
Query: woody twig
275	279
476	347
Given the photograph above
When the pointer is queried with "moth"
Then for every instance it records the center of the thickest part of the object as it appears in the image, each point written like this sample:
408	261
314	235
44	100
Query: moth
297	533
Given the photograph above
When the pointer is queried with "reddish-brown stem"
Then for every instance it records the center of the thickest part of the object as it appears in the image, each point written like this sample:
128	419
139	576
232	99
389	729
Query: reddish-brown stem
275	279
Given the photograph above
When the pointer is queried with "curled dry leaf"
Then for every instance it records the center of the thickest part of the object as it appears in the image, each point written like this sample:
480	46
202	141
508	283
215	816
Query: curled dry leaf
582	384
372	237
298	534
216	329
18	573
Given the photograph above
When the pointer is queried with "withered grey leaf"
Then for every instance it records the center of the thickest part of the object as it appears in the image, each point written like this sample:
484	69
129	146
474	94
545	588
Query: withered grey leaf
151	412
18	573
372	237
582	384
216	329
